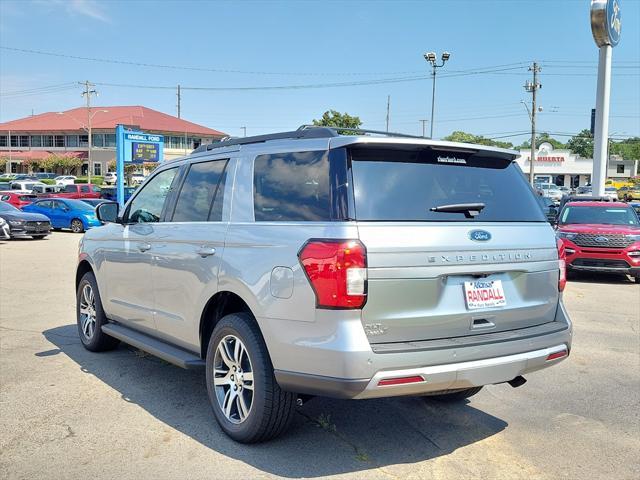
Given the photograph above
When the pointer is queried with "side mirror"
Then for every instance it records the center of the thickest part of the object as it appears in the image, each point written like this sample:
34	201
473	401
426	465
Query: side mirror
107	212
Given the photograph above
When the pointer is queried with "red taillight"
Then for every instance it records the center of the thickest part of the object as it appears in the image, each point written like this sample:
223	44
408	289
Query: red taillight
562	257
337	271
556	355
400	380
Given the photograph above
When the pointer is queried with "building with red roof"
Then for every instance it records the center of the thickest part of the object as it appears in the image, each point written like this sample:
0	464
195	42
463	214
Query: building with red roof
26	143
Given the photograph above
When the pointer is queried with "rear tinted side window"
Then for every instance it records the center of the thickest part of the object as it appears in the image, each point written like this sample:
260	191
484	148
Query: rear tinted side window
201	194
292	187
84	188
70	189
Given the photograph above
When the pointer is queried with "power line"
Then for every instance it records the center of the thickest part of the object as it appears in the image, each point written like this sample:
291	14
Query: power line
193	68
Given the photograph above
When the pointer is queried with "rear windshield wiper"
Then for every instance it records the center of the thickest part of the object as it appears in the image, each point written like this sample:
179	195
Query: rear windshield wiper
470	210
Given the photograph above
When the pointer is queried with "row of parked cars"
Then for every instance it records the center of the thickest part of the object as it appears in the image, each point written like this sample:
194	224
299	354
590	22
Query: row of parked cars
555	192
31	209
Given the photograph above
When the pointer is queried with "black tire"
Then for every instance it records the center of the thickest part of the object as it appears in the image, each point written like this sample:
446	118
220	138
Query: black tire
455	396
76	226
38	237
271	409
93	339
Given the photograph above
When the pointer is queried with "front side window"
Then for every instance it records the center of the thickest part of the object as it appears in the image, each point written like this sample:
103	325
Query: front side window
44	204
147	206
84	188
200	197
292	187
70	188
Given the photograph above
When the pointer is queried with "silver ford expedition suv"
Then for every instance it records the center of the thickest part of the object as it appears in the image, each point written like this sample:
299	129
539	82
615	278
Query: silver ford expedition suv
314	263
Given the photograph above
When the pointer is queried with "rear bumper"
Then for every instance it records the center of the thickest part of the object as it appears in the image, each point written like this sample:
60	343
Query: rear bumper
450	376
356	371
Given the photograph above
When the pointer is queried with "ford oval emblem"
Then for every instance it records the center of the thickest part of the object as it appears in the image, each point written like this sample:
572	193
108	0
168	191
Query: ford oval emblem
479	235
602	239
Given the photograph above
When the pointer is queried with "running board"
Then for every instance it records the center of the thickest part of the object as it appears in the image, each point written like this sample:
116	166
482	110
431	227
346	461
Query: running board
158	348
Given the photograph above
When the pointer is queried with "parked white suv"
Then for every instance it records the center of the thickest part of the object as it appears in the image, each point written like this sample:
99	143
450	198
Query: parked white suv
65	180
312	263
110	178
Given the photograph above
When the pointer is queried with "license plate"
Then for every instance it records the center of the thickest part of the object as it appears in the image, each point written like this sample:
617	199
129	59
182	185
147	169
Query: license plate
484	294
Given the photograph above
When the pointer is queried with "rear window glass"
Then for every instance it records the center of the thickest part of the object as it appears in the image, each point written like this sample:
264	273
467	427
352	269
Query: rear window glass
403	185
292	187
598	215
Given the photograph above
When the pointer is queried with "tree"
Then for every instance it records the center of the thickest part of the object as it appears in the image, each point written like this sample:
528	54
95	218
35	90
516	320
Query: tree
582	144
333	118
543	137
628	149
464	137
67	164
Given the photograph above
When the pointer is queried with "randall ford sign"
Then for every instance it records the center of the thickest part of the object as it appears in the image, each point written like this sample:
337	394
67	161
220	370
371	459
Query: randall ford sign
606	22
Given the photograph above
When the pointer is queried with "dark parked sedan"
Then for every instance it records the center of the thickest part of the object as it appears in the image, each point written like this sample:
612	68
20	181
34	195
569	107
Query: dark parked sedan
23	224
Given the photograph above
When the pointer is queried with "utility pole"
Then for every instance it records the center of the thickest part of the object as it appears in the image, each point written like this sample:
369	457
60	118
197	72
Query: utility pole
10	150
178	102
388	106
424	123
88	91
532	87
244	129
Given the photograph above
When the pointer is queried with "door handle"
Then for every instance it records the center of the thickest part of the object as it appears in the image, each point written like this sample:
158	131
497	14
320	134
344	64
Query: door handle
206	251
143	247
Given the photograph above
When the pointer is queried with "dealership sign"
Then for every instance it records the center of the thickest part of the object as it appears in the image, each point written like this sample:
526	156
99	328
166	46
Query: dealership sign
133	147
553	159
606	22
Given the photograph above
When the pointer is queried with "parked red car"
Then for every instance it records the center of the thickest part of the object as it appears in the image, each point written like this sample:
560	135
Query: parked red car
78	190
601	237
17	199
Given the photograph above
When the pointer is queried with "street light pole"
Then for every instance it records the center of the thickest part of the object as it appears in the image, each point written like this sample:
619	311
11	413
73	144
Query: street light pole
431	58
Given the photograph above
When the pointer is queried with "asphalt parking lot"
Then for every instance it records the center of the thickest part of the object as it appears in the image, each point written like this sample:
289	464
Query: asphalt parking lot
68	413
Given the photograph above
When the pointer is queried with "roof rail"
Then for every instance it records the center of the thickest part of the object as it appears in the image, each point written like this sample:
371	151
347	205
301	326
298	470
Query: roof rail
337	130
303	132
306	133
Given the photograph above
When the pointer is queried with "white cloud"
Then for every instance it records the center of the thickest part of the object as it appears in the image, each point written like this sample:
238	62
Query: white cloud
86	8
89	8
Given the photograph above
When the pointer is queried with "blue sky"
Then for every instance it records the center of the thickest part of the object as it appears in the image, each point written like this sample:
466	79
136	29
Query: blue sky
298	43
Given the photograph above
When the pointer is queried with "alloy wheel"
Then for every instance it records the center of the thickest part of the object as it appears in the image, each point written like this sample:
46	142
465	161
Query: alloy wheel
233	379
76	226
88	312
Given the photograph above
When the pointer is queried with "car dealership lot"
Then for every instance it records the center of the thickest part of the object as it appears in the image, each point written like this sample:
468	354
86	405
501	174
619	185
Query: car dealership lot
69	413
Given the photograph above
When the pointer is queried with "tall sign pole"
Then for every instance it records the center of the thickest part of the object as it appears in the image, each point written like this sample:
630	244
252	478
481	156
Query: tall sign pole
606	23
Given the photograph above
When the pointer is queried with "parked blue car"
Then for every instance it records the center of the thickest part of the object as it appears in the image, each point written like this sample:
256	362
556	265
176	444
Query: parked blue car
66	213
